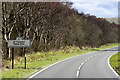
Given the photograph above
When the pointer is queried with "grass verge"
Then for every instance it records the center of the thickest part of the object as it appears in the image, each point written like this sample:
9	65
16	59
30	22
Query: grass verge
40	60
115	62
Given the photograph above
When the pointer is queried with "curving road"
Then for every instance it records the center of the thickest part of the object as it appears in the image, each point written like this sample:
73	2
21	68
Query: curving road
90	65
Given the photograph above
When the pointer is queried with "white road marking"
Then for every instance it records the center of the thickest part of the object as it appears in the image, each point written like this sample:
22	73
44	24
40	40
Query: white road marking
79	67
110	65
50	66
90	58
86	60
82	63
77	73
57	63
46	68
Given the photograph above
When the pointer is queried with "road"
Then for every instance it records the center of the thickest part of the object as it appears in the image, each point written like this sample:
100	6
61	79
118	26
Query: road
90	65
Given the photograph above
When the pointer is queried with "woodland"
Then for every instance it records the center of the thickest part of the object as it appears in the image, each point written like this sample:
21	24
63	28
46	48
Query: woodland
51	26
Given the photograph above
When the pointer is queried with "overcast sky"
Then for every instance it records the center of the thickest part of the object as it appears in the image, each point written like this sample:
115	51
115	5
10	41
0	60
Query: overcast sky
99	8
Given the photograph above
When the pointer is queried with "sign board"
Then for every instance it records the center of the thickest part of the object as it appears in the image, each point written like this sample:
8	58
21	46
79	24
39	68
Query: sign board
19	43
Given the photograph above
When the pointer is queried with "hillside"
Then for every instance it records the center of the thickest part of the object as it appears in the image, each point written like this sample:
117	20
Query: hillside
51	27
111	20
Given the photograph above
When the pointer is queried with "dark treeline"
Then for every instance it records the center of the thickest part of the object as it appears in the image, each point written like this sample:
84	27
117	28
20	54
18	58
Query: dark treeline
52	26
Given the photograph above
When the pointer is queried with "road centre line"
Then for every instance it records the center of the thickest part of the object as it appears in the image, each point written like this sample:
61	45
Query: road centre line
77	74
50	66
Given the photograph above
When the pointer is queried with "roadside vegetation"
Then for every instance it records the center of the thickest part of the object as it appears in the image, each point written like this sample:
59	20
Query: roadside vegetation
51	26
39	60
115	62
56	30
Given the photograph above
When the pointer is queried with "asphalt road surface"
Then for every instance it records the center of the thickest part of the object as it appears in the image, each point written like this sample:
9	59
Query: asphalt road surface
90	65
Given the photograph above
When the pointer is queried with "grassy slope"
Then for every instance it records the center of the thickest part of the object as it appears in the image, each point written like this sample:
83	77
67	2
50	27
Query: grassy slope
115	20
115	62
40	60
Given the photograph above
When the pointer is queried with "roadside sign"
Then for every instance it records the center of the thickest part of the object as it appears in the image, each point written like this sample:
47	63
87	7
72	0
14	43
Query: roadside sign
19	43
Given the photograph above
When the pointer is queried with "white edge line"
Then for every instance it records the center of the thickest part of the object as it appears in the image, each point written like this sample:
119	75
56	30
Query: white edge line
52	65
110	65
57	63
49	67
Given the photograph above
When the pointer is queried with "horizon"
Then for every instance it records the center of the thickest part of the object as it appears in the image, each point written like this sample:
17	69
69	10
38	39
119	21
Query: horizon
108	9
